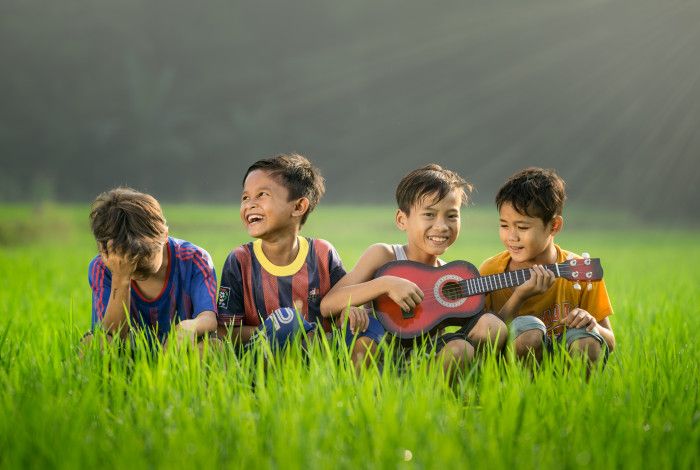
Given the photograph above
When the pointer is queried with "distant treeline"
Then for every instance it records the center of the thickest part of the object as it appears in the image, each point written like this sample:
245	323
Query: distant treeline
178	97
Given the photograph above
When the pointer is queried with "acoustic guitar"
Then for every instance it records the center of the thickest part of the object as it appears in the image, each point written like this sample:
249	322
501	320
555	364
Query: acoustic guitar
455	291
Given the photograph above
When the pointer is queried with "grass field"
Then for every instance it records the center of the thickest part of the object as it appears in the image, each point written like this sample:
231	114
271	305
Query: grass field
642	411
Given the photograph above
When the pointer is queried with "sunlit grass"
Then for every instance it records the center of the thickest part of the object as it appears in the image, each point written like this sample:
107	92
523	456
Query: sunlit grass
136	409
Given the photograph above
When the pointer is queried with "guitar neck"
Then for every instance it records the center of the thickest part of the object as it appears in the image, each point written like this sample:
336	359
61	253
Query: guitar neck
486	284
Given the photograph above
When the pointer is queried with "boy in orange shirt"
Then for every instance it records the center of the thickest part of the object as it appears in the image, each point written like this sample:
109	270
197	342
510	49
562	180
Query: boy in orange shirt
544	309
429	200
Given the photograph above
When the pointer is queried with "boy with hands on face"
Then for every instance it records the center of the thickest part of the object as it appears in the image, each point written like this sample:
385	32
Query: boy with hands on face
142	272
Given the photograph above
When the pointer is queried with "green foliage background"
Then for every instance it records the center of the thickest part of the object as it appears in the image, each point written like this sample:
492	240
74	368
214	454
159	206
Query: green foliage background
97	93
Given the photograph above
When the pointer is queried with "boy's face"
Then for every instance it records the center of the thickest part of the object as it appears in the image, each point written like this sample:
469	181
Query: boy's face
150	265
265	206
432	226
528	239
139	267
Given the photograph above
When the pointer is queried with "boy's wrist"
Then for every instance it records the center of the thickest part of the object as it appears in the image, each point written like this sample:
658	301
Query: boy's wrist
121	280
518	297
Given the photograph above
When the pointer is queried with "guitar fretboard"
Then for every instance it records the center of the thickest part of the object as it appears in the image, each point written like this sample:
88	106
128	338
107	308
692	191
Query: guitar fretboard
485	284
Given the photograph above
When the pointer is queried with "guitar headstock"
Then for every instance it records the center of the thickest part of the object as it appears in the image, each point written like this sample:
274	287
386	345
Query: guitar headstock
581	269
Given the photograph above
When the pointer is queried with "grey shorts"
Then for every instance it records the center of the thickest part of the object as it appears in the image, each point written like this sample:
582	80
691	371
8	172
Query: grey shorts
519	325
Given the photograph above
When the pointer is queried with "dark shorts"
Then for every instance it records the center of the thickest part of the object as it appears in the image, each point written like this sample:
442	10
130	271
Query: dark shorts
436	343
375	331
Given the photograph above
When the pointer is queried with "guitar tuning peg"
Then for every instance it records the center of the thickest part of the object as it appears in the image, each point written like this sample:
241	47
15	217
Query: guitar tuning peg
585	255
589	286
577	286
570	257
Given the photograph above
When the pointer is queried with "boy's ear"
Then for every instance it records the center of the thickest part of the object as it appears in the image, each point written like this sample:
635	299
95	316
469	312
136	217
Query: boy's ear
557	224
300	207
401	219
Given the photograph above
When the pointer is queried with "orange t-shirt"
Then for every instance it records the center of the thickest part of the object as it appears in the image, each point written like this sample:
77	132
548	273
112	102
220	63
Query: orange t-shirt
552	306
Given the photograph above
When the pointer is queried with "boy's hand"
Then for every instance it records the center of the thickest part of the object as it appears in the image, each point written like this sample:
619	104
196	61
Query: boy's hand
186	330
540	281
403	292
358	319
579	318
119	265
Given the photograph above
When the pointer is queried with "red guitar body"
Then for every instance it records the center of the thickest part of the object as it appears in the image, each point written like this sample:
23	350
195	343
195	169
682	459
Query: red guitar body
444	303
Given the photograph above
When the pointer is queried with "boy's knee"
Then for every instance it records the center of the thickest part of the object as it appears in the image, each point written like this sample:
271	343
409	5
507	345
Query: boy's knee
363	346
529	341
458	350
490	328
587	346
362	352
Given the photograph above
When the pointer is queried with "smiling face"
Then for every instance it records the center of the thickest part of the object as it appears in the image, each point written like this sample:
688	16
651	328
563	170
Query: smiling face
528	239
265	206
431	226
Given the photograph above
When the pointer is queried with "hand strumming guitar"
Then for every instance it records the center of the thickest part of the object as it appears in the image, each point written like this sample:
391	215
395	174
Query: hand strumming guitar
404	293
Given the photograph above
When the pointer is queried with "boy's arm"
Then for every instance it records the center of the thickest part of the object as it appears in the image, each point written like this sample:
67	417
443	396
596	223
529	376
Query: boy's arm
358	286
580	318
238	334
202	291
593	312
231	310
540	281
605	330
122	269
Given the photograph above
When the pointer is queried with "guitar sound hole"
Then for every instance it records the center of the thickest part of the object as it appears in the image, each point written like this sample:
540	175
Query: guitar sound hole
452	291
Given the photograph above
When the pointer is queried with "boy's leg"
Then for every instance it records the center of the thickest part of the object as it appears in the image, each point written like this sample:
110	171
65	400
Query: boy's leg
528	333
486	329
366	343
589	344
454	352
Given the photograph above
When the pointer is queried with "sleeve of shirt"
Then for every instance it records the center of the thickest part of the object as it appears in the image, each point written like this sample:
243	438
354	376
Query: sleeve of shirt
230	306
100	280
596	301
335	265
202	283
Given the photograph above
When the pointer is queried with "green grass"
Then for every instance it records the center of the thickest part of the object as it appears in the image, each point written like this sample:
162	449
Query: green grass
174	410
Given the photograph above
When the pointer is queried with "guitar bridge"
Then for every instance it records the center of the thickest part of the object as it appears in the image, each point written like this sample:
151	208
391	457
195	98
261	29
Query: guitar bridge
410	314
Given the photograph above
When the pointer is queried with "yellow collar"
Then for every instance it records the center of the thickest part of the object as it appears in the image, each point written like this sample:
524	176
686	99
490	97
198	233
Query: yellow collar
280	271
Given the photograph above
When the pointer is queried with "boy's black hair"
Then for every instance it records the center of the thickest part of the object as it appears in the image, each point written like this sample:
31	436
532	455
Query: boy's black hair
127	222
426	181
296	173
535	192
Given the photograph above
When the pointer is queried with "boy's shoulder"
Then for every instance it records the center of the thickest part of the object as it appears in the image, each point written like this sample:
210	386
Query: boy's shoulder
383	250
495	264
563	255
376	256
241	249
97	271
184	247
320	244
309	249
186	253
